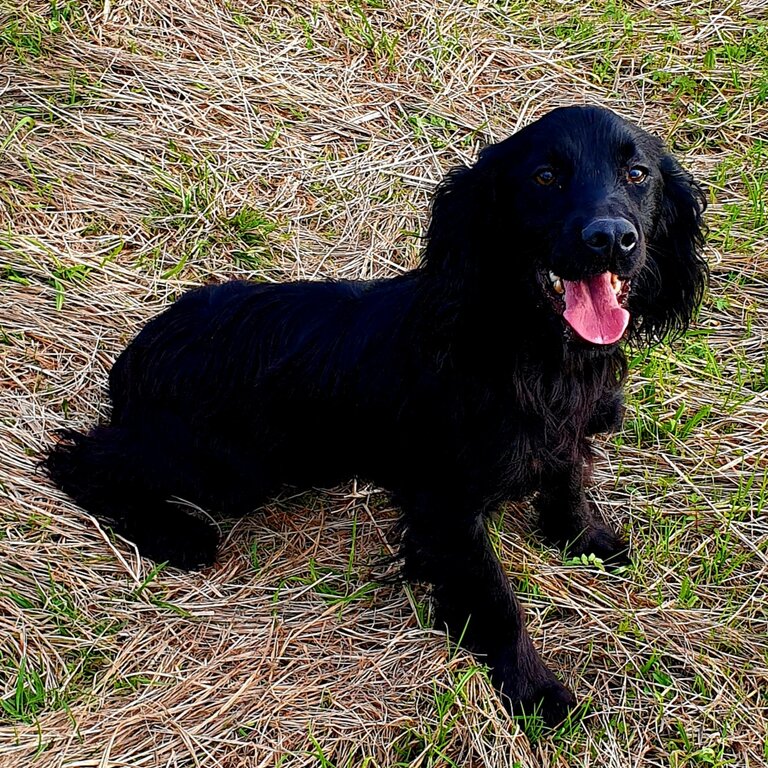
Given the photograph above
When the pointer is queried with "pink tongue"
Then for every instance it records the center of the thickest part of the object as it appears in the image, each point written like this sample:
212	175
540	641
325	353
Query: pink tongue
592	310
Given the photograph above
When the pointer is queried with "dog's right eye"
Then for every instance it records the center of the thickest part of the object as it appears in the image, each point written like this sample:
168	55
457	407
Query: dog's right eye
544	176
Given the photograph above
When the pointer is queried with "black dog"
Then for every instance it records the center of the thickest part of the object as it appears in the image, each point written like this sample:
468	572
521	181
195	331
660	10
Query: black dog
475	378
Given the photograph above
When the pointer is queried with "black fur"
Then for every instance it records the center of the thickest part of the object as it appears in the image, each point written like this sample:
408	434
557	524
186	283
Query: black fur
455	386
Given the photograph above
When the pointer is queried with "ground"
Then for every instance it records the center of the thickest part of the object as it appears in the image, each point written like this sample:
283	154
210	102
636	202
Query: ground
146	147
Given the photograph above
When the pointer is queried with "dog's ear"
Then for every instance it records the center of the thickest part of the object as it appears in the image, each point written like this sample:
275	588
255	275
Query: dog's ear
461	230
672	284
456	211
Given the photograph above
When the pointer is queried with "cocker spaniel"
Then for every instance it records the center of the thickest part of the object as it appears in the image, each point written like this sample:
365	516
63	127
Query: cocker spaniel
476	378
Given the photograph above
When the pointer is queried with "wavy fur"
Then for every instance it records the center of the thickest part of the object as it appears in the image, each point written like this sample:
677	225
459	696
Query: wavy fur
455	386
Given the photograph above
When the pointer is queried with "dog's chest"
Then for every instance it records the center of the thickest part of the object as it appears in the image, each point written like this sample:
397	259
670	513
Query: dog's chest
524	438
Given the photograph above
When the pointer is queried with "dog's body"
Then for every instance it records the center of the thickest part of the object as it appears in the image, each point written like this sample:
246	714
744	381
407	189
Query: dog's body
476	378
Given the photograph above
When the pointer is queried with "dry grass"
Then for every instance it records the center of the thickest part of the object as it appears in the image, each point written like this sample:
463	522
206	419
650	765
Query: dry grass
147	146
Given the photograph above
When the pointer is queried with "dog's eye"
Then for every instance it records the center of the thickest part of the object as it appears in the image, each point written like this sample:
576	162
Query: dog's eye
544	176
637	174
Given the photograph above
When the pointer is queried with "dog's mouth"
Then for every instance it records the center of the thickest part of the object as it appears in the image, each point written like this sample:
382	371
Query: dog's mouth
594	306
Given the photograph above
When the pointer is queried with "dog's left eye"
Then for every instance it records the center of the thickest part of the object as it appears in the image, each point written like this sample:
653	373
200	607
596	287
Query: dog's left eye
545	176
637	174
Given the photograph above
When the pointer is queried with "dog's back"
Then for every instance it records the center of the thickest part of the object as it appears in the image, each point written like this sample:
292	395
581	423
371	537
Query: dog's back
232	392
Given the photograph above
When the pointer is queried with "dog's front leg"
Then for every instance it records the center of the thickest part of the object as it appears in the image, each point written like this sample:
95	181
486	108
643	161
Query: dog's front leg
474	599
570	522
608	413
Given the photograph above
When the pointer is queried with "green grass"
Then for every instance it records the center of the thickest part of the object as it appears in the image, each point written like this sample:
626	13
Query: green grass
359	25
82	641
29	697
26	32
251	230
431	744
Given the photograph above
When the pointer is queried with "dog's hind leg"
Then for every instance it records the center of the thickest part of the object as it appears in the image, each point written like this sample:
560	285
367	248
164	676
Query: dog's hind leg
128	477
569	521
474	599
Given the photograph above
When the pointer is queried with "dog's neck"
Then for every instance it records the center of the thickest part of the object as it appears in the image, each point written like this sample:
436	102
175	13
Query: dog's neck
492	332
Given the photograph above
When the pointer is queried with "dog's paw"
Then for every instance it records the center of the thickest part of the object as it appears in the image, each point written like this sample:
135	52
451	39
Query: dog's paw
552	703
603	542
178	539
187	554
194	558
530	691
549	702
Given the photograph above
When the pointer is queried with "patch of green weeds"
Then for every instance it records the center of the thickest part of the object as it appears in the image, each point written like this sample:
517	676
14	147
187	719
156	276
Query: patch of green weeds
656	416
590	560
361	28
422	607
155	594
59	276
576	29
750	499
62	275
254	554
600	37
735	49
687	597
187	188
431	740
24	37
12	275
664	532
334	587
29	695
446	45
22	125
82	647
26	31
567	737
724	557
657	679
628	627
182	198
187	203
132	682
318	754
307	27
251	230
438	131
273	136
685	751
741	225
194	251
526	585
41	183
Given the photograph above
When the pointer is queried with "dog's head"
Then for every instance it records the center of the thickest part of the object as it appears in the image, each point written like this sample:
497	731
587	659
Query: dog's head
583	222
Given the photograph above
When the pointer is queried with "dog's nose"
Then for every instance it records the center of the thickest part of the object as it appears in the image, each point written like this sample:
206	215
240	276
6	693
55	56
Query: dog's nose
609	237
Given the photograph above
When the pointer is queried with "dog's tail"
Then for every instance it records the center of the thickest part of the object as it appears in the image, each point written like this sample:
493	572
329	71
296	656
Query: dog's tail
127	482
92	468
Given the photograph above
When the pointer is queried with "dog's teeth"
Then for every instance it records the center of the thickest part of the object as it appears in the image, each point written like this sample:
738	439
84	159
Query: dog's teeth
557	283
615	283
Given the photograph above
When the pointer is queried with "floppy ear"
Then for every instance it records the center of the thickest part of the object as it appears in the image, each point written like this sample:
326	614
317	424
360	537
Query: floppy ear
464	227
671	285
460	207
